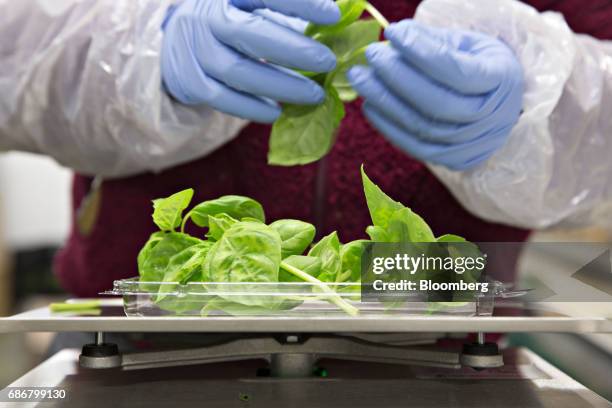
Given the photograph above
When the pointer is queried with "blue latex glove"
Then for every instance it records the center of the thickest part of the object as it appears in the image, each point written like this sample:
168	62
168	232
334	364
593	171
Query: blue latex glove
444	96
226	55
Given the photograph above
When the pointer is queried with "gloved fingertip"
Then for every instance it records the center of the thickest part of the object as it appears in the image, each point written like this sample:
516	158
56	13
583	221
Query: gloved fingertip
329	62
375	51
398	27
331	14
260	110
268	116
323	12
404	34
358	74
391	30
318	95
324	61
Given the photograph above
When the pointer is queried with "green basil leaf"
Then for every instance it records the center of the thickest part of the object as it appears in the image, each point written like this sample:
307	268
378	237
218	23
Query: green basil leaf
147	248
377	234
450	238
350	11
305	133
251	219
218	224
380	205
205	269
233	308
357	35
167	212
188	304
235	206
295	236
247	252
309	264
350	257
155	255
328	251
402	226
345	44
392	221
407	226
183	267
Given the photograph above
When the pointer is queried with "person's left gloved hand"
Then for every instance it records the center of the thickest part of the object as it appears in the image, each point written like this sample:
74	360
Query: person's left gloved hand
444	96
234	55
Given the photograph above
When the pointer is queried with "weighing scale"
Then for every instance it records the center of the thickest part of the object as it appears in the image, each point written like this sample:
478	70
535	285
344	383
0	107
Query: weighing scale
307	361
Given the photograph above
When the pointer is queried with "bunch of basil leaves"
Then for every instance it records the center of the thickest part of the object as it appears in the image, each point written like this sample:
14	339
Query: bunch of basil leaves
303	134
239	247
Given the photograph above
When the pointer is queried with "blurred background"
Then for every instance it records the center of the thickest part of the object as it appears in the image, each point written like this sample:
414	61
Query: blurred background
34	221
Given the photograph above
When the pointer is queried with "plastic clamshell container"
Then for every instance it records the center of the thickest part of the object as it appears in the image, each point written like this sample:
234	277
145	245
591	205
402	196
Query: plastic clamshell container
208	299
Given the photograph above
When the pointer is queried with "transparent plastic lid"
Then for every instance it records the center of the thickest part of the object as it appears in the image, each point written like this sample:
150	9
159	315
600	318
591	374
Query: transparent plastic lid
282	299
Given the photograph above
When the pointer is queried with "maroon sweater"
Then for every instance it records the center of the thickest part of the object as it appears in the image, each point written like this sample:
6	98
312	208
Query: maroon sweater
327	193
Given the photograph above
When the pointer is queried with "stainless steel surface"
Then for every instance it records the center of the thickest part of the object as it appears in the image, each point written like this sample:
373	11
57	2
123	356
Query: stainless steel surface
587	362
113	320
526	381
292	365
399	339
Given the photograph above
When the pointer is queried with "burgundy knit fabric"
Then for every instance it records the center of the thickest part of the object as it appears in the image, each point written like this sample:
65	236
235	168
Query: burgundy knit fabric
88	264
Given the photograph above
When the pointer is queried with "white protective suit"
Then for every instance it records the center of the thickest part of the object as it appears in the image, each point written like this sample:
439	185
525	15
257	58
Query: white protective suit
557	164
80	81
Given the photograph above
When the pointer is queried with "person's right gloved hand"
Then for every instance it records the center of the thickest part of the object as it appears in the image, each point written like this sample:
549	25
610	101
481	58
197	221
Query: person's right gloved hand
443	95
222	54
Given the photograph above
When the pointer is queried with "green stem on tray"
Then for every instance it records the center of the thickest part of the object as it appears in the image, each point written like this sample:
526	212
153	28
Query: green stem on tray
74	307
334	297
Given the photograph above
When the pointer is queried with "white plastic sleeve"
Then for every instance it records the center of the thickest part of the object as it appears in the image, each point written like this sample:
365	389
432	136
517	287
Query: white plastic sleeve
557	164
80	82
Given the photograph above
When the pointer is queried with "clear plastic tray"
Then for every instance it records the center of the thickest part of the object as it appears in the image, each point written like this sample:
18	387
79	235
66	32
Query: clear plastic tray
278	299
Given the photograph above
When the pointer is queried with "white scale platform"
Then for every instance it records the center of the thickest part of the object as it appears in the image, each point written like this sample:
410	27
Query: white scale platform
113	319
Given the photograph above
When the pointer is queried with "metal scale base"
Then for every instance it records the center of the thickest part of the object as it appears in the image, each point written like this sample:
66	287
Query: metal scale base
291	356
525	381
